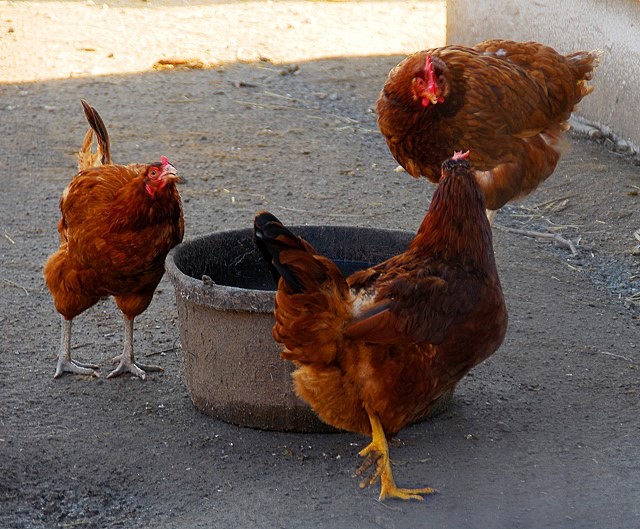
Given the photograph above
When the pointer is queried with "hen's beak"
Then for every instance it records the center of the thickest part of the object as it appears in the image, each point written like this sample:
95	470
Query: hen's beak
433	97
430	98
169	173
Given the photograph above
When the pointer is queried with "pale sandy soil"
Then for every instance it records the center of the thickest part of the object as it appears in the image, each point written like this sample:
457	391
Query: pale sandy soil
57	40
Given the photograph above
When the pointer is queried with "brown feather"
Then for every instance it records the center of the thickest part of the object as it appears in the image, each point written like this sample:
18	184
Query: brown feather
114	236
86	158
390	340
502	100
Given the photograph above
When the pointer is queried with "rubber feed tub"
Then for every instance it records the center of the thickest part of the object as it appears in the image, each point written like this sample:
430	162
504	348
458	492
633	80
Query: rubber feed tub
225	295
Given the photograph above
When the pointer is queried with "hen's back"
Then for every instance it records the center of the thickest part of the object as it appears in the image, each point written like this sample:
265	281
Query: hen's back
562	76
87	197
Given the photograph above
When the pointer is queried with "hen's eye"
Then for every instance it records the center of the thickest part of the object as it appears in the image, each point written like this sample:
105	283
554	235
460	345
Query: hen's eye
419	85
153	172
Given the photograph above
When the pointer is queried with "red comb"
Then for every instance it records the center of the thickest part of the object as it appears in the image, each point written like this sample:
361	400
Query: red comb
164	160
430	76
459	155
428	66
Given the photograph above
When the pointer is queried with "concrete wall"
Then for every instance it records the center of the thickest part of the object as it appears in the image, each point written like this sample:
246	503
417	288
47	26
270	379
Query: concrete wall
569	25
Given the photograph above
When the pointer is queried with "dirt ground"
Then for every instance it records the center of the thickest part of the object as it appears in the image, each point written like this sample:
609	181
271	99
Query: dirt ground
542	435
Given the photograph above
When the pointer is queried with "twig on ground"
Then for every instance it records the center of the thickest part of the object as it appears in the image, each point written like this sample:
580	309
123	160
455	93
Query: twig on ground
164	351
633	298
617	356
281	96
265	105
181	62
79	345
182	100
16	285
556	237
552	200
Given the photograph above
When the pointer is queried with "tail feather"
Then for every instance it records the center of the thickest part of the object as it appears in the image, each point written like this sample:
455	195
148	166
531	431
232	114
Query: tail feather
288	256
583	64
102	156
313	299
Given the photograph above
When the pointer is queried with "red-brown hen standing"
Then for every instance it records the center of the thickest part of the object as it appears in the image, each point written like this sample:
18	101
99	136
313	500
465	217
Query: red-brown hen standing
376	350
507	102
118	224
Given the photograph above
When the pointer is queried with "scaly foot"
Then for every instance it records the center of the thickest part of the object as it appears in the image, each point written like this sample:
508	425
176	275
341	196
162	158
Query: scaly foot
125	361
73	366
65	363
378	452
127	365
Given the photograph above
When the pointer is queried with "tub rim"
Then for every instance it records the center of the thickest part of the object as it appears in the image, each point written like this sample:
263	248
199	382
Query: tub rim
232	298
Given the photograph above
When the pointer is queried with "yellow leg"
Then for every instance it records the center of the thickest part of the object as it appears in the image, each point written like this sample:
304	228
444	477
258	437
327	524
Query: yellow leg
379	447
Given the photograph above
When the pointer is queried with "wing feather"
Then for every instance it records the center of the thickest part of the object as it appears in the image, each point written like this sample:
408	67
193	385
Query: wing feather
416	310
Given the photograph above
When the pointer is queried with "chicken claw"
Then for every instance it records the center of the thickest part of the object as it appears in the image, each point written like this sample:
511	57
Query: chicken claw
378	452
128	365
126	362
65	363
73	366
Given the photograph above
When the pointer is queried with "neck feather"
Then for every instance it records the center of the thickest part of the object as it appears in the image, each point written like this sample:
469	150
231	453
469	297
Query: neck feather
456	227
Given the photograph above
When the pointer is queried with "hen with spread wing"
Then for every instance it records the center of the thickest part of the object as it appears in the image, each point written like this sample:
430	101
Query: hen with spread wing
118	224
375	350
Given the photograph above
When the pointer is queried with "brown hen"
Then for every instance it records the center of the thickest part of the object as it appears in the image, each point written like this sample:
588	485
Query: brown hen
374	351
507	102
118	224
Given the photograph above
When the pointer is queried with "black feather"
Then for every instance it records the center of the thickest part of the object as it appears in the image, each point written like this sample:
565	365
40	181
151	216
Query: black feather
271	237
